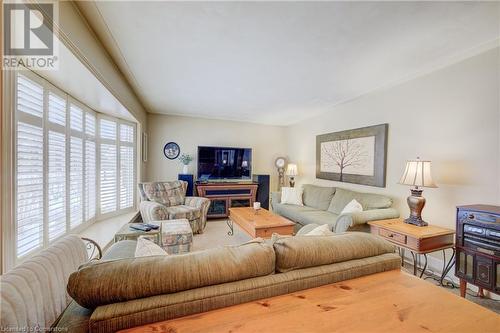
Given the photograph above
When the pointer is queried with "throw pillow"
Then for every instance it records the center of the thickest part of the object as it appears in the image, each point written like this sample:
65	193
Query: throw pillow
291	196
146	248
322	230
352	207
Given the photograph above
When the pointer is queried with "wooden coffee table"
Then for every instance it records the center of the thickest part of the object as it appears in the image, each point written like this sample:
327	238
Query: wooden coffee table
261	223
385	302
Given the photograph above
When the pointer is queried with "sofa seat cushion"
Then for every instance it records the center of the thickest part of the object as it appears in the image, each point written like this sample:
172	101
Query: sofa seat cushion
318	217
117	316
292	212
307	251
128	279
165	193
74	319
317	196
183	212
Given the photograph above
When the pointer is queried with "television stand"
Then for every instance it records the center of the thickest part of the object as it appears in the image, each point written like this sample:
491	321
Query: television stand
225	195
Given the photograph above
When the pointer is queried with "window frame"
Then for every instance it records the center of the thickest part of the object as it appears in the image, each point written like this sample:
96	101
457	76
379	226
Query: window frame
46	125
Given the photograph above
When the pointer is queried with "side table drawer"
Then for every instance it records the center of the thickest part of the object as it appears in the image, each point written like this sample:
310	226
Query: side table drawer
393	236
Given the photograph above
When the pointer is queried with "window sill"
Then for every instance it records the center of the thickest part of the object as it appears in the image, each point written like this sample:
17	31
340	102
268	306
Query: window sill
103	232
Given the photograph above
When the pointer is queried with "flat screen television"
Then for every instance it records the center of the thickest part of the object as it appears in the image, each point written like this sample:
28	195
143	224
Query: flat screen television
224	163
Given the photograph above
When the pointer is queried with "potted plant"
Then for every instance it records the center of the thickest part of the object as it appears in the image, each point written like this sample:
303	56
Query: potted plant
185	159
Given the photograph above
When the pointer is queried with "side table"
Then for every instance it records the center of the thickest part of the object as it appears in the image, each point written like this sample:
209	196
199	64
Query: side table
128	233
418	240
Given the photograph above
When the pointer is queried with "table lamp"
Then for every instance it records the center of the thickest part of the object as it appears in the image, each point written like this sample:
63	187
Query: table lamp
417	173
291	171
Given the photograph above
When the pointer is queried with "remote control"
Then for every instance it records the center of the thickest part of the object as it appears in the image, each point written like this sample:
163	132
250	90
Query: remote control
152	226
140	226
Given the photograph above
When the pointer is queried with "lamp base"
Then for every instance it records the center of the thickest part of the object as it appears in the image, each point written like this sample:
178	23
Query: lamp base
416	221
292	182
416	202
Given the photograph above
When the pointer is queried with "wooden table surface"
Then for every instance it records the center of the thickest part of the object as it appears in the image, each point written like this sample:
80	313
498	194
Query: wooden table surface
412	230
260	224
386	302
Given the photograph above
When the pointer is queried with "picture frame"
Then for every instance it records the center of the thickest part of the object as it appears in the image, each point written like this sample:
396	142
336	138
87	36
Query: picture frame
357	156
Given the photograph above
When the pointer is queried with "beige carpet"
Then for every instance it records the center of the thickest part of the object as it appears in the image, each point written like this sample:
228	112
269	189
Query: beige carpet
215	234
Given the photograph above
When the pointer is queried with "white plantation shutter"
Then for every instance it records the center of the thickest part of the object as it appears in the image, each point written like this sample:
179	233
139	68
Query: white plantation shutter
126	133
90	180
76	182
76	115
108	178
57	185
57	109
90	167
29	166
29	201
29	97
126	177
126	166
90	125
108	129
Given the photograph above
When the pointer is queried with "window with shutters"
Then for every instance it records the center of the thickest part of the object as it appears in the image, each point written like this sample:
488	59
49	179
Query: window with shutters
73	166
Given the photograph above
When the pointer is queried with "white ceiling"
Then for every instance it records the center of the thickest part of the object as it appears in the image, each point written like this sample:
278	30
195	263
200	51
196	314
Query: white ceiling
281	62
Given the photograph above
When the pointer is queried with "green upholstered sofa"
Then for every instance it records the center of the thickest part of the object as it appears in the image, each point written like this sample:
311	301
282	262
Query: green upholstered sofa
123	293
323	205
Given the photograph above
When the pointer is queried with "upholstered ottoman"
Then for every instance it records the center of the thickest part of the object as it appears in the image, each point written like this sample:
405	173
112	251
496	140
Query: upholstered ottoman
176	236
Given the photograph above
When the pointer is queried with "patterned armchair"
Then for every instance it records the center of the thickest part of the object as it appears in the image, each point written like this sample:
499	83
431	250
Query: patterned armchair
168	201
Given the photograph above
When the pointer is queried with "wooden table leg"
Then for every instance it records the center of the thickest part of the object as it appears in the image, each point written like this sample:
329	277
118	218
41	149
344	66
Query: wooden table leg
480	292
463	287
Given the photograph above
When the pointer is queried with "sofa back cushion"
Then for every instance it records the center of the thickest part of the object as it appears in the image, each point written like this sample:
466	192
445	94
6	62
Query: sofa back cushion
308	251
165	193
368	200
317	196
128	279
33	294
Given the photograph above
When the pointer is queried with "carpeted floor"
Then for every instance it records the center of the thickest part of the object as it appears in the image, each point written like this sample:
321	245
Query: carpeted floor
215	234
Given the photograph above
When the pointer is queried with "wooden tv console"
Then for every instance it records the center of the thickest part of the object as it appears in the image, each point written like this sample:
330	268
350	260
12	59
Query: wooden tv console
227	195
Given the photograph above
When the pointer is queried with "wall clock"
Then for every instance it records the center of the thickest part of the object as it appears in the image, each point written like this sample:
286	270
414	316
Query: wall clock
171	150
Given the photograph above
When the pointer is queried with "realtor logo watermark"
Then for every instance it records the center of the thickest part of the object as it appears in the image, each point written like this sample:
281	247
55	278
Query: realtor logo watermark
29	39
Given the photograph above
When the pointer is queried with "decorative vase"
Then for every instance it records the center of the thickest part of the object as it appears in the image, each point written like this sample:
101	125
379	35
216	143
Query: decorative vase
185	169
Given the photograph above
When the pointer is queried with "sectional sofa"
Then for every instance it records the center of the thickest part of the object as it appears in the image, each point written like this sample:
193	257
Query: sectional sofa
324	205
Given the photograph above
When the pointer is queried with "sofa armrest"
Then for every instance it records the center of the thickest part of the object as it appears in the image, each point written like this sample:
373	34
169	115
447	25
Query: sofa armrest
203	204
275	197
152	211
345	221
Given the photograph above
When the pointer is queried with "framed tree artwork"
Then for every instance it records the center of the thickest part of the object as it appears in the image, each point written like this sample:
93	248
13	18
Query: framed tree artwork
356	156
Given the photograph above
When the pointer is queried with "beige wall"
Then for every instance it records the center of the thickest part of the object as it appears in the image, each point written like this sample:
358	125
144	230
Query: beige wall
267	143
450	116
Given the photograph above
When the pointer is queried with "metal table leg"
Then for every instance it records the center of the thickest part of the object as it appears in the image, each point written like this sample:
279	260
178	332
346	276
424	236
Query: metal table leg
414	263
230	224
425	266
449	265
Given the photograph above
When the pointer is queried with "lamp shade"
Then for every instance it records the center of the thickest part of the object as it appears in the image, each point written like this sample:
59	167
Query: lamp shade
291	170
417	173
